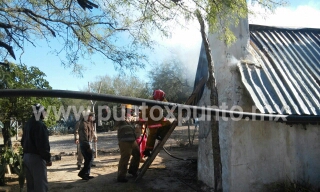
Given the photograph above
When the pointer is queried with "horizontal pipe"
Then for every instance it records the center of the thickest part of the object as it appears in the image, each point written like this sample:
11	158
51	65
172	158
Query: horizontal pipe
173	106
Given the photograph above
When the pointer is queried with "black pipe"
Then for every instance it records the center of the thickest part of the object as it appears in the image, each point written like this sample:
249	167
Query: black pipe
172	106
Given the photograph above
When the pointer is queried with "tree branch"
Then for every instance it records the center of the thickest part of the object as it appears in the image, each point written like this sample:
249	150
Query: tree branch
9	49
5	26
87	4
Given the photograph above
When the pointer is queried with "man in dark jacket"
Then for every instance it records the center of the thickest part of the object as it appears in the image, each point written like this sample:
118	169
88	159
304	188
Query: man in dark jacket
36	150
86	135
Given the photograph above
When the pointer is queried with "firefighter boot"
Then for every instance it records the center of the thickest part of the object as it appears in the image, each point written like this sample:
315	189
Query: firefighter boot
147	153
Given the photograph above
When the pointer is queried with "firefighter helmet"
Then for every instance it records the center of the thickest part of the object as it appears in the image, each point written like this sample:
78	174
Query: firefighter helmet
159	95
127	106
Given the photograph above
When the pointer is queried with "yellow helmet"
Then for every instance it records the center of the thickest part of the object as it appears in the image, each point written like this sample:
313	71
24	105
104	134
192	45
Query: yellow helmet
127	106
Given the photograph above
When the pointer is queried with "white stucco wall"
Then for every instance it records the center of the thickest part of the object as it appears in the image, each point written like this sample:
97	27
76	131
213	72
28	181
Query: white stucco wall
205	155
253	153
263	153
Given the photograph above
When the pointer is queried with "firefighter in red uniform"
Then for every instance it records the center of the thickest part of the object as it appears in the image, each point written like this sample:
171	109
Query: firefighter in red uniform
142	140
157	128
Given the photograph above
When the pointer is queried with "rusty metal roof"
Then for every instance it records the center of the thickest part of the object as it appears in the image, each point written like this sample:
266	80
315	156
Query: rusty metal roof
283	76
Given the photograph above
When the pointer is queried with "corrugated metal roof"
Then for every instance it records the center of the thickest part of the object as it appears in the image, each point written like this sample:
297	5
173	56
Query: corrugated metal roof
202	72
284	76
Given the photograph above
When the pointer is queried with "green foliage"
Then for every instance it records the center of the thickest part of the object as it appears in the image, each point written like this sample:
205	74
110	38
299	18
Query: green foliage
221	16
171	77
122	85
22	77
119	31
15	161
20	108
9	156
2	170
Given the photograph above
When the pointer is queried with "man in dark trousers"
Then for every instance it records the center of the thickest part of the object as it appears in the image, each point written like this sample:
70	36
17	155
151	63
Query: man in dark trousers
76	140
36	150
86	134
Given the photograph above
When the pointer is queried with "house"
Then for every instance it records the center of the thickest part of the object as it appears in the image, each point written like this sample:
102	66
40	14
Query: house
269	70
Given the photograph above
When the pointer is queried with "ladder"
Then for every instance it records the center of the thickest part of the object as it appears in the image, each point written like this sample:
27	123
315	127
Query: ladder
160	145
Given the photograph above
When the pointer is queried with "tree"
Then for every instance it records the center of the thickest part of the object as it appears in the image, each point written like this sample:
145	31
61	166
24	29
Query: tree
19	108
211	84
79	105
118	30
122	85
171	77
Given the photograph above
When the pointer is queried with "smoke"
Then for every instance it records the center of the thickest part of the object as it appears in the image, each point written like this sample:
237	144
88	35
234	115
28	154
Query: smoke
184	45
299	16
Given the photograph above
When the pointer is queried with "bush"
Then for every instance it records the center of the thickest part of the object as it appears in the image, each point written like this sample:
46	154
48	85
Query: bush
13	158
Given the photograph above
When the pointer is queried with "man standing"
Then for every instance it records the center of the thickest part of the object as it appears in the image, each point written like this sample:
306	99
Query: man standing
86	134
76	140
128	146
36	150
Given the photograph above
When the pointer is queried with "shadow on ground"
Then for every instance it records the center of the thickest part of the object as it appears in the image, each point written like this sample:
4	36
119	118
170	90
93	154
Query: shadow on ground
165	174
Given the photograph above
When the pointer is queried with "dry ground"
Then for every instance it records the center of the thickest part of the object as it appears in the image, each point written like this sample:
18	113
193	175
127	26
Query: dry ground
165	174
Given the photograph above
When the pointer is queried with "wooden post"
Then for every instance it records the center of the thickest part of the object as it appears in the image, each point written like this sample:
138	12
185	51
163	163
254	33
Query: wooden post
93	103
8	169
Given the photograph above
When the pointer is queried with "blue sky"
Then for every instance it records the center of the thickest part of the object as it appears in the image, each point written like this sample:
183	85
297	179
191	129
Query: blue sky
185	44
60	77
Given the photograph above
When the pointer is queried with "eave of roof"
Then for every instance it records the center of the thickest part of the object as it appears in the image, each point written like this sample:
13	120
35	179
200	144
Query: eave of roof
284	76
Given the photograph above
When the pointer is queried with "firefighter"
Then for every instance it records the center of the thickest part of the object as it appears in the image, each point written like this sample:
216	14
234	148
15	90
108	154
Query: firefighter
141	140
157	128
128	146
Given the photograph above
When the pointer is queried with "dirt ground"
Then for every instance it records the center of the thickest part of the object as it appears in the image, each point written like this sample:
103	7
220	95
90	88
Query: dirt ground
166	173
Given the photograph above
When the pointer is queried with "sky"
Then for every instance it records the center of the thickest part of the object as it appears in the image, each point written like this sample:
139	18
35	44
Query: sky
184	43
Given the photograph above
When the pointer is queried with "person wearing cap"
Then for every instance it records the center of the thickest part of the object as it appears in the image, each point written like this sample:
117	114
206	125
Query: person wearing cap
158	125
36	150
127	144
76	141
86	135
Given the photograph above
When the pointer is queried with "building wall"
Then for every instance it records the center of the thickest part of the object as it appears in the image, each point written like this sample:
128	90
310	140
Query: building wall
265	152
253	153
205	155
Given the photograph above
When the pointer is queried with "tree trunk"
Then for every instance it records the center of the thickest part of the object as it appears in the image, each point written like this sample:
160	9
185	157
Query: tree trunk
6	134
211	84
